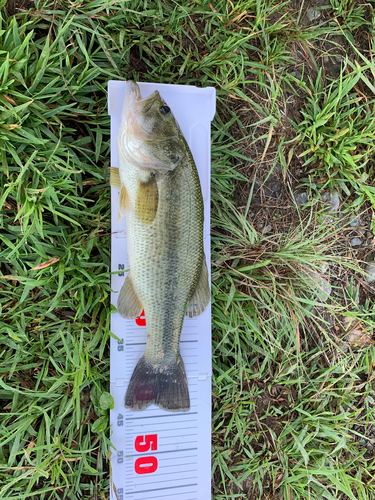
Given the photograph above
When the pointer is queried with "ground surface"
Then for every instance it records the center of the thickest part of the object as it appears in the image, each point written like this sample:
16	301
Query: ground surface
292	238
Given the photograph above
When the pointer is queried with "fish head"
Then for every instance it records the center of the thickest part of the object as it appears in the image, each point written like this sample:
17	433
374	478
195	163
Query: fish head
149	135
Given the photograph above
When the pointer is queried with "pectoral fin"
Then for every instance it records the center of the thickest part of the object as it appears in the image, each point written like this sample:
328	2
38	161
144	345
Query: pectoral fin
123	203
147	201
128	304
114	178
201	296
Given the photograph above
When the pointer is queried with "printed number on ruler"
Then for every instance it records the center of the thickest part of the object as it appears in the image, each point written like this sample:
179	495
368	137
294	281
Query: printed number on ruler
121	267
141	320
146	465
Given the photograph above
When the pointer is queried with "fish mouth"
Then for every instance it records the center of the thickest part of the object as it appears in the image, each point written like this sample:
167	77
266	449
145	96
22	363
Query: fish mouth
134	104
133	97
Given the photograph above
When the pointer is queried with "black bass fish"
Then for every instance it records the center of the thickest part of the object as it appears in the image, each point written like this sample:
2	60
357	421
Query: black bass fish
161	198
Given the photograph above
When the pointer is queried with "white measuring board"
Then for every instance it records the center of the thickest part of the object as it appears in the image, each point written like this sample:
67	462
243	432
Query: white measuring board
160	454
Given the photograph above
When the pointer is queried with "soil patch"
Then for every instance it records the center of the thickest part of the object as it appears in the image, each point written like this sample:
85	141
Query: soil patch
17	6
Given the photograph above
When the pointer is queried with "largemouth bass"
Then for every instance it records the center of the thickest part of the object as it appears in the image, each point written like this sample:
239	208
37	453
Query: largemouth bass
161	198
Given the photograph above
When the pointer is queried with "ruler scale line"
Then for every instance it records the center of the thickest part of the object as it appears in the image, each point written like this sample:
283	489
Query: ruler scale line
162	489
162	416
186	463
167	474
173	494
162	452
177	435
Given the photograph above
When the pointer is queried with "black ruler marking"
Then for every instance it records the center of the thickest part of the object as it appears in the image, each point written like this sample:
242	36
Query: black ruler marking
162	452
161	489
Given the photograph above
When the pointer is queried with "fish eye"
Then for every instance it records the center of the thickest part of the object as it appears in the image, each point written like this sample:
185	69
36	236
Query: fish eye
165	110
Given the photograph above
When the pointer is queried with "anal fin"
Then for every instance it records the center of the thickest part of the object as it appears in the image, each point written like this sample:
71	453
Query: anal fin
201	296
128	304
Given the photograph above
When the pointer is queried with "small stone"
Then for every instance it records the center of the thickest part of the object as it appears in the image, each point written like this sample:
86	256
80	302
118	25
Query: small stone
324	290
324	266
362	442
331	320
332	202
260	226
322	287
369	234
354	222
340	59
301	199
313	14
355	242
358	337
267	229
370	271
276	187
251	214
344	347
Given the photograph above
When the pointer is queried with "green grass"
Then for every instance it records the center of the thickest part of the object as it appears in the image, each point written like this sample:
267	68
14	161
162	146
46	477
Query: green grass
338	133
293	400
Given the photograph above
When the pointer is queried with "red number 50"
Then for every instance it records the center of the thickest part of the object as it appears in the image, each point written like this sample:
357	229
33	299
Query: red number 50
146	465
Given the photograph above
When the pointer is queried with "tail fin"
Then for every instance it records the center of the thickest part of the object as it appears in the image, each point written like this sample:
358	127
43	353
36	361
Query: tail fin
165	386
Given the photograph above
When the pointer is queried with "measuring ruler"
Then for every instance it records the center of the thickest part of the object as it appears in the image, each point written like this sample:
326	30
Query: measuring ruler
159	454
